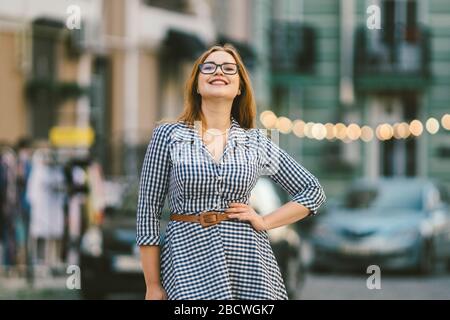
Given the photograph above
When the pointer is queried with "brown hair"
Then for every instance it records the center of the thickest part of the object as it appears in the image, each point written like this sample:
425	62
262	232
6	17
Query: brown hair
244	106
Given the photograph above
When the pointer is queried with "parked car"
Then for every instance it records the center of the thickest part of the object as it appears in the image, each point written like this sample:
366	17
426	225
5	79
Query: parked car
110	260
396	223
109	256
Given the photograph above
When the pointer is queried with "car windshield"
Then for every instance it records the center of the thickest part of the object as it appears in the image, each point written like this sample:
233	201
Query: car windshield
385	196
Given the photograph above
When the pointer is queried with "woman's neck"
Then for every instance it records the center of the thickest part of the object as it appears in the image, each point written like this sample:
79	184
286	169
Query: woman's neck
217	114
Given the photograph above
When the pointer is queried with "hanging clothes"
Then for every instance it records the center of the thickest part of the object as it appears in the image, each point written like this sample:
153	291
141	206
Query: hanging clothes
9	206
3	186
46	197
23	220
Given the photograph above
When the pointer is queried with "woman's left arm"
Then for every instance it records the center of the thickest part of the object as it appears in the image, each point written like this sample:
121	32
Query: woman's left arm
306	192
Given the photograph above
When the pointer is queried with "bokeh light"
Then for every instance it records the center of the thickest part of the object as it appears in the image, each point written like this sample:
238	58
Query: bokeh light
341	131
268	119
432	125
366	133
416	128
353	131
446	121
284	125
319	131
298	128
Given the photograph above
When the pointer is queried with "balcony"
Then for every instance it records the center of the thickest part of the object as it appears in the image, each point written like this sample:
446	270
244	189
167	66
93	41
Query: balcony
387	60
293	48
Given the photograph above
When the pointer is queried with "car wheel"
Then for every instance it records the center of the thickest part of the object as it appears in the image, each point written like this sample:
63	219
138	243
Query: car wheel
295	277
427	261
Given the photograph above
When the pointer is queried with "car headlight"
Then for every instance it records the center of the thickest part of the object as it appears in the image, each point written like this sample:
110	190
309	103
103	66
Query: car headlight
92	242
324	232
409	234
321	231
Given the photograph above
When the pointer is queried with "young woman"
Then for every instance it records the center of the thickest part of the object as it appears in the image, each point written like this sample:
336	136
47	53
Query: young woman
208	161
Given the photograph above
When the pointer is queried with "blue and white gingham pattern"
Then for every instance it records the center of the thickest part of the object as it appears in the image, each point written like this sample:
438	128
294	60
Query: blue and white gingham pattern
230	260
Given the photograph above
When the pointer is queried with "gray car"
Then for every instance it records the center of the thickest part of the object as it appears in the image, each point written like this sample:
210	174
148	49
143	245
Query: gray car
395	223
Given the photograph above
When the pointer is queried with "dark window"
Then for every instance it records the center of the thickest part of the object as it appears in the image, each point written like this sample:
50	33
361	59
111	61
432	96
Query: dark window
388	21
293	47
400	21
44	71
101	113
172	5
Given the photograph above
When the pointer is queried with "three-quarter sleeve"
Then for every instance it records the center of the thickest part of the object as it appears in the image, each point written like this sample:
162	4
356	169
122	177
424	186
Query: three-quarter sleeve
153	188
283	169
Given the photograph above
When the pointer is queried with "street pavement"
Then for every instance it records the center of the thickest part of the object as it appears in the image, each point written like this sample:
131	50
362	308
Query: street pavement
333	286
392	287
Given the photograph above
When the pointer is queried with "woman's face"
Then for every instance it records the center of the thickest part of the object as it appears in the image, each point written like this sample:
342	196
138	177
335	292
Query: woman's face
219	84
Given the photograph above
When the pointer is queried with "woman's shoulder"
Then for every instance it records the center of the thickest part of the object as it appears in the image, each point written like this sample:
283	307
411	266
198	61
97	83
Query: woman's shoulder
170	125
170	130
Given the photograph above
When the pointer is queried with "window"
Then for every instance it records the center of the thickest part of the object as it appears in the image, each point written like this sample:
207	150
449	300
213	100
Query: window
400	20
172	5
44	72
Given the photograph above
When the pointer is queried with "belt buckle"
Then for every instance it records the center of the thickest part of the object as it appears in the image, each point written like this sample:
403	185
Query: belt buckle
206	218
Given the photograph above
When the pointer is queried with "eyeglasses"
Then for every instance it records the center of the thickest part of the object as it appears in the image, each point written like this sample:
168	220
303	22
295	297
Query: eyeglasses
211	67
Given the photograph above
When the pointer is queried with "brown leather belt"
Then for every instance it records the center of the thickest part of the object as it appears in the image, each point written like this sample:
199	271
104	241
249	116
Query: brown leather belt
206	219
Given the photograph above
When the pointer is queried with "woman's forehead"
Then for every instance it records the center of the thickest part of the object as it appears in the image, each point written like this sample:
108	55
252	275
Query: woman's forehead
220	57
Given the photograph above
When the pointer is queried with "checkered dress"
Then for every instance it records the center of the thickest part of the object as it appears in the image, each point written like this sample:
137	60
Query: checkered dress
229	260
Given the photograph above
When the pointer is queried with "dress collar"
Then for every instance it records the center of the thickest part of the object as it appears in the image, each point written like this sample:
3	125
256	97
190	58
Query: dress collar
237	135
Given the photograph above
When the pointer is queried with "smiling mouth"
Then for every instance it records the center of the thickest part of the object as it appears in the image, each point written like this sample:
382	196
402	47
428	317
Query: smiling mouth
218	83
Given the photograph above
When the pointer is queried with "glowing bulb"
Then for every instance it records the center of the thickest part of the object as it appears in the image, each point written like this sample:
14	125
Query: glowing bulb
353	131
384	131
366	133
284	125
319	131
341	131
446	121
416	128
299	128
387	131
432	125
268	119
403	130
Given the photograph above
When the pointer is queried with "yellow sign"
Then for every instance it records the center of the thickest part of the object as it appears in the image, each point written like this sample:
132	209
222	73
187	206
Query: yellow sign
72	136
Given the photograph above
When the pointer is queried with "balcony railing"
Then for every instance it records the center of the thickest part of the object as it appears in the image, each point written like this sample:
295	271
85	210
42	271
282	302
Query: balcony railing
401	55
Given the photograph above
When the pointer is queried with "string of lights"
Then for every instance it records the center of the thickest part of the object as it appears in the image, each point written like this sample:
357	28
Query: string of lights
353	132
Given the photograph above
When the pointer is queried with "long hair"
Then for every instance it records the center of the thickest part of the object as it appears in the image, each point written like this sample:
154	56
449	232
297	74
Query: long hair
244	106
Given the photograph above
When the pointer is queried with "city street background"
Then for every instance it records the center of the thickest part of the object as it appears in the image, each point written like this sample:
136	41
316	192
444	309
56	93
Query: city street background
358	91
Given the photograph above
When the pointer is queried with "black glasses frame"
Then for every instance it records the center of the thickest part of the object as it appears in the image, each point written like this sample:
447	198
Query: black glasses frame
200	66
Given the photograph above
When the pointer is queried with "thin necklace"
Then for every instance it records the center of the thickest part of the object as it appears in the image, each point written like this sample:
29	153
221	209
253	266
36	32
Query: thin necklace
212	132
216	134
